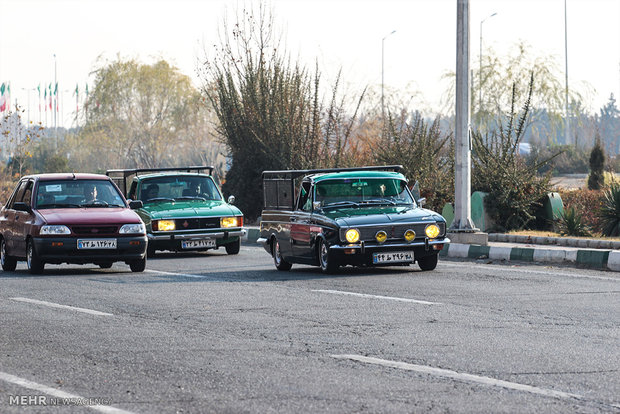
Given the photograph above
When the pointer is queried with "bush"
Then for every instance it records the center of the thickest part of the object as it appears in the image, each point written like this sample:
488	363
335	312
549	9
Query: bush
609	212
571	224
586	203
566	159
597	166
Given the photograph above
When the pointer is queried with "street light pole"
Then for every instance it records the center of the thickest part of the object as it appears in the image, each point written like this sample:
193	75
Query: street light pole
480	59
567	121
382	73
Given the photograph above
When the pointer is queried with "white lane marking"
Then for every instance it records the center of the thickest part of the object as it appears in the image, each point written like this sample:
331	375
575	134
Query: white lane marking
538	272
56	305
363	295
446	373
59	394
180	274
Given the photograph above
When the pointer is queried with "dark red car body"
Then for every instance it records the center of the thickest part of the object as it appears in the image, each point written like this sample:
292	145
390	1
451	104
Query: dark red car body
97	231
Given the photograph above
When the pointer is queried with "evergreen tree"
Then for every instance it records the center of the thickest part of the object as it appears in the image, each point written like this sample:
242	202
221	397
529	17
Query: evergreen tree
597	165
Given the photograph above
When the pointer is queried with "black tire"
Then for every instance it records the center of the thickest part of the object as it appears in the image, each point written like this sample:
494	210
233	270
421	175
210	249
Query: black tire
105	265
328	264
280	263
150	251
9	263
35	264
138	265
428	262
234	247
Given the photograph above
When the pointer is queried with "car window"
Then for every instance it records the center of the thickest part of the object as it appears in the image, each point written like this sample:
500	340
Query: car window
304	202
178	187
77	193
363	190
18	193
27	195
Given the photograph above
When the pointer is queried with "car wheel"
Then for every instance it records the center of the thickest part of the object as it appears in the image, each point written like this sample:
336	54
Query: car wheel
234	247
138	265
150	251
328	264
105	265
9	263
428	262
280	263
35	265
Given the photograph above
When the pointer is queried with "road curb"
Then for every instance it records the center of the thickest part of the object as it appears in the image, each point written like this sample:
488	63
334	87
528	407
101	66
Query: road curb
590	258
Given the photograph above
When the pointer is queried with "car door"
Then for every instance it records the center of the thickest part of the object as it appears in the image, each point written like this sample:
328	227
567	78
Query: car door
8	217
300	224
23	220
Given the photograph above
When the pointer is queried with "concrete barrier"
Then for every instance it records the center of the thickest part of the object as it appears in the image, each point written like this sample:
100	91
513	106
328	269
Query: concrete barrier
613	261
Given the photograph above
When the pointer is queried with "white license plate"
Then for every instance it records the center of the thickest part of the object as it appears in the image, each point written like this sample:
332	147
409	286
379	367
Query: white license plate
97	244
392	257
197	244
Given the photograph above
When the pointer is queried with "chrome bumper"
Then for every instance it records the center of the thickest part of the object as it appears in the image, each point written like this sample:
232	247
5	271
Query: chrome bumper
363	246
198	236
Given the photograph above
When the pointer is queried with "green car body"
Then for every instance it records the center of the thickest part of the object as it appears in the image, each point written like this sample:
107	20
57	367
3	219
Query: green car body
183	209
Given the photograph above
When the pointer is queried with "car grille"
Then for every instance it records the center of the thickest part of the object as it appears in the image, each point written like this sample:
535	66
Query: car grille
197	223
394	232
94	230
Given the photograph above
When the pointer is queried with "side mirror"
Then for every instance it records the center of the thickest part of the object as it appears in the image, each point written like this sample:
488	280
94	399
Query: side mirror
20	206
316	205
135	204
421	201
231	199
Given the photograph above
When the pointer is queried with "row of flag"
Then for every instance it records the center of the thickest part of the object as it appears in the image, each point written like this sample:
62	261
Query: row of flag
50	99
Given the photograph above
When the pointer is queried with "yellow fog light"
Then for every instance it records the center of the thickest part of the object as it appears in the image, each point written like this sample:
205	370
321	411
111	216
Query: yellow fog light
228	222
432	231
381	236
409	235
352	235
166	225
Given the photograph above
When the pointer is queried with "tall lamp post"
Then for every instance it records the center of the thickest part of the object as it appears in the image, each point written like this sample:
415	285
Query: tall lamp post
382	72
480	59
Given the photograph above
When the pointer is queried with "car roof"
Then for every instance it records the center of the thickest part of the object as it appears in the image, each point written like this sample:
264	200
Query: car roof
356	174
170	174
68	176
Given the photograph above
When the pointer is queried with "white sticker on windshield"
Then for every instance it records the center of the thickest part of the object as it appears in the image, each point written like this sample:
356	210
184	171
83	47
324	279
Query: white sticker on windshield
53	188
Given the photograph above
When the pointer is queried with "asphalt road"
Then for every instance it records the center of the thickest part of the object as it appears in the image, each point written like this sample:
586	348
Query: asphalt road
211	333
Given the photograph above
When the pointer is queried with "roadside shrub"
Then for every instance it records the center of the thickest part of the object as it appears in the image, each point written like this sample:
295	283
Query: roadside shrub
571	224
609	212
597	166
566	159
513	185
586	203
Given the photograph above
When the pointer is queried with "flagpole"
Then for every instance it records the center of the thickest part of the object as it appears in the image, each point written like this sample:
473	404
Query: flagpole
56	106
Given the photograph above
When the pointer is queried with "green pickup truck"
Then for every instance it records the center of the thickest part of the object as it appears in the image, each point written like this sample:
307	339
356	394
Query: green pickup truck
183	209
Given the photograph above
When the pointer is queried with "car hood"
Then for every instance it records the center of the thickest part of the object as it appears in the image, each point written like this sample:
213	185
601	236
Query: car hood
107	215
190	208
349	217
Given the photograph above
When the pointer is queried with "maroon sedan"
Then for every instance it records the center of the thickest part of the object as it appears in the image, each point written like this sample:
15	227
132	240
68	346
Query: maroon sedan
70	218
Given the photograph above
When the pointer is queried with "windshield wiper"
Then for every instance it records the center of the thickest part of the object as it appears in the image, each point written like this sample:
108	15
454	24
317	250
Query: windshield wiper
159	199
58	205
380	201
191	198
99	203
341	204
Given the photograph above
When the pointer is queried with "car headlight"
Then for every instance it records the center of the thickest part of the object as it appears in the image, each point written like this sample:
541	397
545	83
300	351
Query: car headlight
381	236
137	228
54	230
229	222
410	235
164	225
352	235
432	231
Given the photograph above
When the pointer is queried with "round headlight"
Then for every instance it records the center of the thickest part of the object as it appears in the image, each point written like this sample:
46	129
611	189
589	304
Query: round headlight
352	235
409	235
432	231
381	236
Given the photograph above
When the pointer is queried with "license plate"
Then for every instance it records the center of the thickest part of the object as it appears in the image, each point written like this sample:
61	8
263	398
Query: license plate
97	244
197	244
392	257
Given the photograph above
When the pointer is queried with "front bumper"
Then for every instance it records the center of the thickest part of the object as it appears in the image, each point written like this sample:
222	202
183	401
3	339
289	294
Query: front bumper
57	250
173	241
362	254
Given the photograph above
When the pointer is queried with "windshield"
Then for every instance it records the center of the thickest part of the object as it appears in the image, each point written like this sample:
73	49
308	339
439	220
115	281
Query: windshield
362	191
77	193
171	188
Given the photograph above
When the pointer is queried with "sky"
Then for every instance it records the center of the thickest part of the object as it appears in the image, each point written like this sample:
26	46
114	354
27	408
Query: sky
43	40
